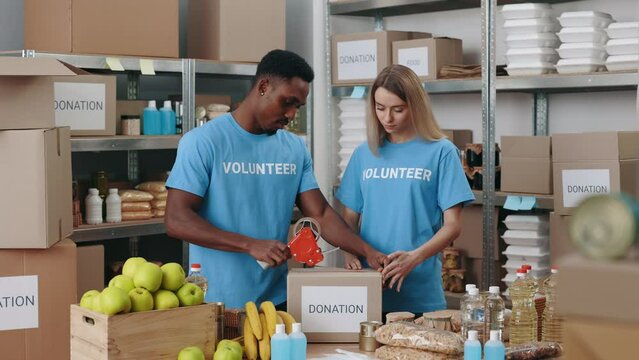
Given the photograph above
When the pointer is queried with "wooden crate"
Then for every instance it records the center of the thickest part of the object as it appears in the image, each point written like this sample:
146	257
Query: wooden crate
158	334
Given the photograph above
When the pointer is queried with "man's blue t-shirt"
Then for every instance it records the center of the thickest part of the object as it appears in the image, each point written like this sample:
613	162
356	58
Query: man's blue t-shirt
401	196
248	184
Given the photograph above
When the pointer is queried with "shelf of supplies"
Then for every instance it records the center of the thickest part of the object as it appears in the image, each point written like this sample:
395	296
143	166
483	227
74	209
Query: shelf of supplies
544	201
124	229
224	68
555	83
122	142
407	7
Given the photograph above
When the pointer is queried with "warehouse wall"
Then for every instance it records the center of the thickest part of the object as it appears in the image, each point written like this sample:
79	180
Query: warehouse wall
11	34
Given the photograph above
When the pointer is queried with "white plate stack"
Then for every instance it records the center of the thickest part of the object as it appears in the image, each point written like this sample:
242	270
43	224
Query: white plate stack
530	39
352	131
527	239
583	37
623	46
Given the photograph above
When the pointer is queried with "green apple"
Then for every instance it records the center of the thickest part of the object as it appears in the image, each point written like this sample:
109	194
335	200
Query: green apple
191	353
190	294
87	299
233	344
123	282
114	300
227	352
96	304
165	299
172	276
141	300
131	265
148	276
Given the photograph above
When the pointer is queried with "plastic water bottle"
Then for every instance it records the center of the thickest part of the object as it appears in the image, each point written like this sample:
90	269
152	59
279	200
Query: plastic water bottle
494	348
523	321
196	277
298	343
113	207
494	312
168	121
280	344
551	330
473	314
151	120
93	205
462	307
472	346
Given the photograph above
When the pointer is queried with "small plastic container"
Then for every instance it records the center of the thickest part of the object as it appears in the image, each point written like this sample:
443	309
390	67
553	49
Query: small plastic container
526	253
582	50
628	46
579	66
530	68
532	55
538	25
526	11
582	35
622	62
526	222
532	40
623	30
585	18
526	237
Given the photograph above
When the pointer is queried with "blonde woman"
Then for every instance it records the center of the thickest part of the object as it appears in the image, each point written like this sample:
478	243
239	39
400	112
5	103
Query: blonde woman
407	187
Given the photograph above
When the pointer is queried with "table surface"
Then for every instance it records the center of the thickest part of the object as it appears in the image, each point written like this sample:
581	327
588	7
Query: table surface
319	350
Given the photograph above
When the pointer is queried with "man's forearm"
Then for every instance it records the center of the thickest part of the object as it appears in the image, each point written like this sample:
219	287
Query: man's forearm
337	233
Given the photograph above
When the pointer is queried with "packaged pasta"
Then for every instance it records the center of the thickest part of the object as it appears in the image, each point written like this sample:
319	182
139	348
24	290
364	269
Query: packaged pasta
414	336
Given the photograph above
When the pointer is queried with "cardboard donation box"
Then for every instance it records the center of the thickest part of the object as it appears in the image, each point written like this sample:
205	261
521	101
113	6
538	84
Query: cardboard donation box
36	209
358	58
459	137
330	302
526	165
218	29
427	56
589	164
560	241
90	268
36	289
156	334
144	27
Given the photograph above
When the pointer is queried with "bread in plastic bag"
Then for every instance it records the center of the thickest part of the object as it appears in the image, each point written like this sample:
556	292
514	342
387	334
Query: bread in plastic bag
158	204
399	353
411	335
136	215
136	206
134	195
160	195
155	186
534	350
158	213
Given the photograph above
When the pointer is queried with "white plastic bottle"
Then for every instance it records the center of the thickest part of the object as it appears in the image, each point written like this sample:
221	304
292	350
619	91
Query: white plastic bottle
494	348
113	207
298	343
472	347
93	205
280	344
196	277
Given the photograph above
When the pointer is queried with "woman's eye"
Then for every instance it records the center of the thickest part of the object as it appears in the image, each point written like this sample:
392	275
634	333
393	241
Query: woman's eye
379	108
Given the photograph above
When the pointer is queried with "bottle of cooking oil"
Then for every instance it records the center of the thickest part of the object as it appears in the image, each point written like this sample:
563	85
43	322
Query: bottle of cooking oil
196	277
494	312
523	321
530	278
551	320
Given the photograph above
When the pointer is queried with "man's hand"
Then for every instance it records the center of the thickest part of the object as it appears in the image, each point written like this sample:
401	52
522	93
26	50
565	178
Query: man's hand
397	267
272	252
352	262
375	259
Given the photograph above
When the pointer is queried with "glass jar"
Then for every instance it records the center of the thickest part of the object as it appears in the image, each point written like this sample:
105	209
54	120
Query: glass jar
451	258
456	281
100	181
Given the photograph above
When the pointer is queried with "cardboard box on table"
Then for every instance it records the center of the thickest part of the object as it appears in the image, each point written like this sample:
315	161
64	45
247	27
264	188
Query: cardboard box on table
526	164
427	56
331	302
37	288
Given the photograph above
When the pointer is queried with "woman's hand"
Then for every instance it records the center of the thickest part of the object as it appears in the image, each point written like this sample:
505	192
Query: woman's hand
351	262
397	266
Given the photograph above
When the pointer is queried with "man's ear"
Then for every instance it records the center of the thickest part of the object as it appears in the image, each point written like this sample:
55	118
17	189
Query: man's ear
262	85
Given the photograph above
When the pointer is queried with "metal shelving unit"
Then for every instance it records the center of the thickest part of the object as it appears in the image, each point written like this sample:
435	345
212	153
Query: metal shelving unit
544	202
124	229
124	143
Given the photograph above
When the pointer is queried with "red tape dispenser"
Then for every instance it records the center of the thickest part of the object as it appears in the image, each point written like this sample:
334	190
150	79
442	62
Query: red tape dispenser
303	245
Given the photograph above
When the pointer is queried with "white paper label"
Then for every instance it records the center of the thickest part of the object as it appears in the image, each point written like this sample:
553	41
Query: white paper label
583	183
18	302
415	59
333	308
357	60
79	105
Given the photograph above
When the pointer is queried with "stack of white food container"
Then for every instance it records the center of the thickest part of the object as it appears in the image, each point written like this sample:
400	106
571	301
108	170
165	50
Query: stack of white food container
530	39
352	131
623	46
527	239
583	37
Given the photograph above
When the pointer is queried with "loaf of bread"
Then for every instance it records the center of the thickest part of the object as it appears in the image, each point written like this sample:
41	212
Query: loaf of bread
136	206
155	186
134	195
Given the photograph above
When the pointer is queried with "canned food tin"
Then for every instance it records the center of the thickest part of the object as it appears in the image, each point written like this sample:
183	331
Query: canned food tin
367	340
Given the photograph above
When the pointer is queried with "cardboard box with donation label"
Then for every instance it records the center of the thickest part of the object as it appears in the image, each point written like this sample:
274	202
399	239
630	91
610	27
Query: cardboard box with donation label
358	58
593	163
526	165
37	288
330	302
44	93
427	56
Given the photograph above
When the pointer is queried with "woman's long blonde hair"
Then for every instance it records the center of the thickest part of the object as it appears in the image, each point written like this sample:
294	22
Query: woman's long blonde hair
404	83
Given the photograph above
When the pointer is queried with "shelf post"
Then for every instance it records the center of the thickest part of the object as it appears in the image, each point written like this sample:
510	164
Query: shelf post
541	113
188	95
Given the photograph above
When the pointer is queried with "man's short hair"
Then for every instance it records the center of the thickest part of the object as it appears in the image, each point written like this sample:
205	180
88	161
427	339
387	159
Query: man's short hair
284	64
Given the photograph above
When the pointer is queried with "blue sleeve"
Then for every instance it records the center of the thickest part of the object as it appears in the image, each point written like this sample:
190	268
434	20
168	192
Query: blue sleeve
350	190
307	182
193	165
452	188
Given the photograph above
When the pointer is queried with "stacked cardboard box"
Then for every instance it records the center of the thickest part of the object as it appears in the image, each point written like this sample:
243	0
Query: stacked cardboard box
526	165
427	56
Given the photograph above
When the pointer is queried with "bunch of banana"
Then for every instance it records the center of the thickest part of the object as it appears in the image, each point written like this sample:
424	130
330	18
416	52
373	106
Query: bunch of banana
259	326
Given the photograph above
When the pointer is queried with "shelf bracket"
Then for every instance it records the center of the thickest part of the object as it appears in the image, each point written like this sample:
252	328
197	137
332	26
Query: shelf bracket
541	114
132	166
188	95
379	21
132	85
